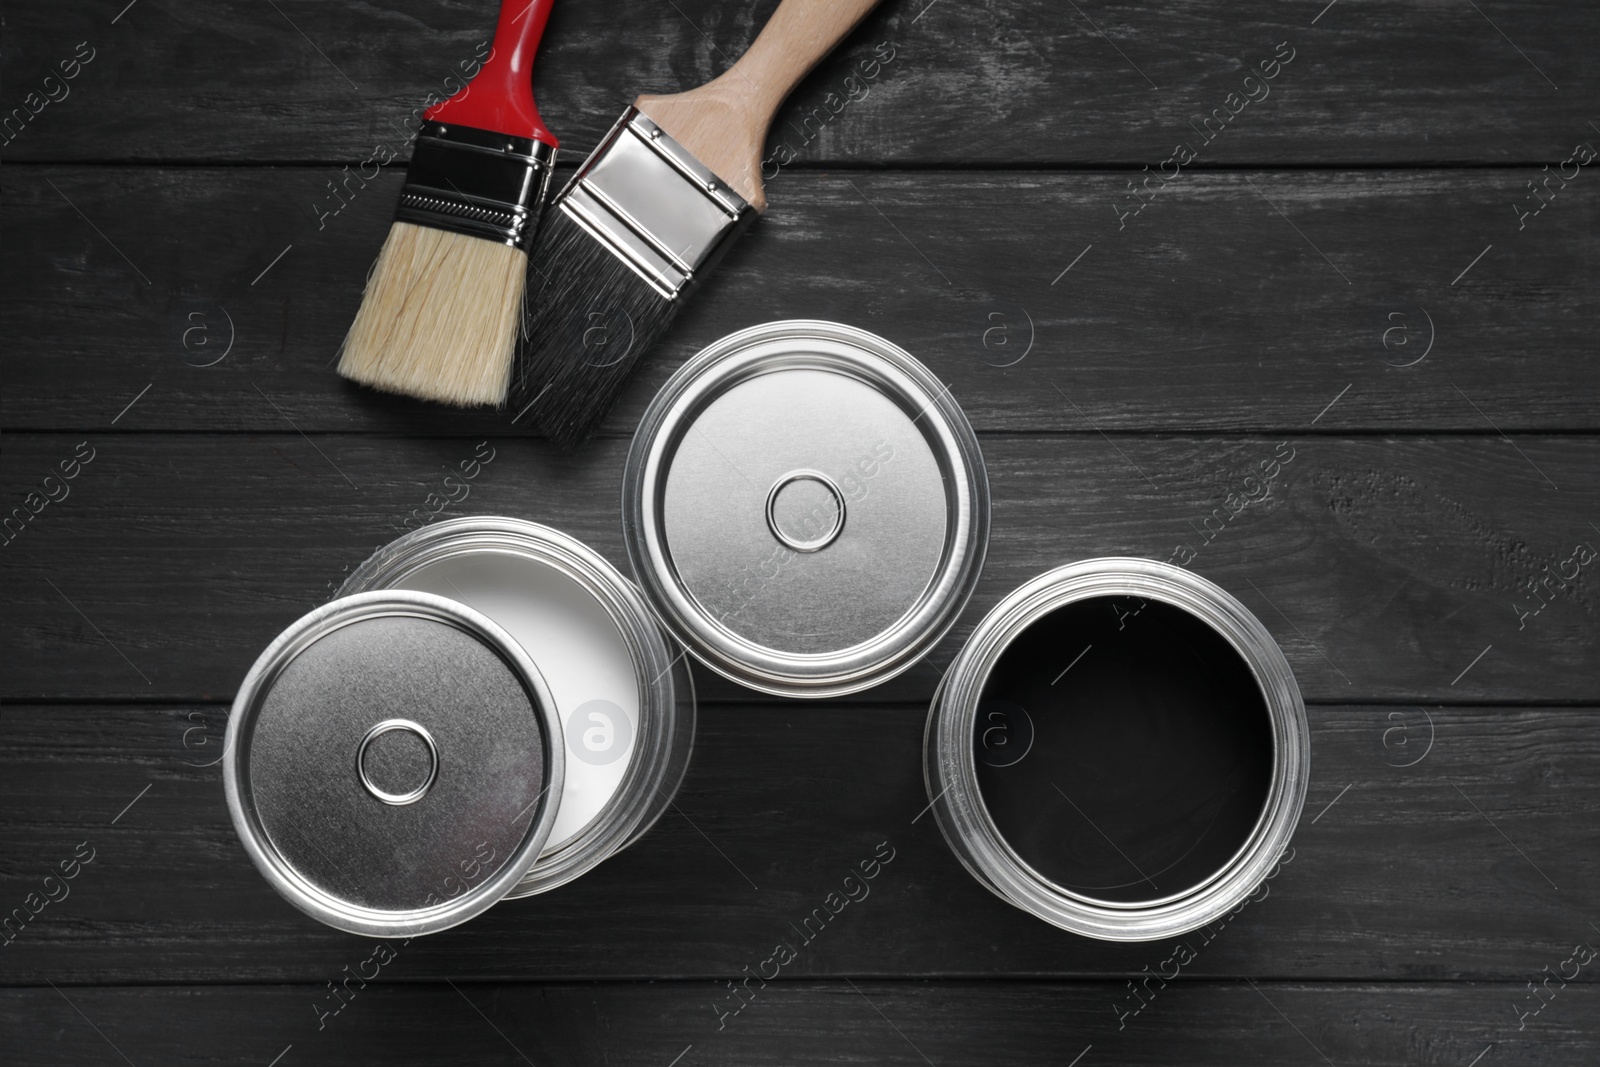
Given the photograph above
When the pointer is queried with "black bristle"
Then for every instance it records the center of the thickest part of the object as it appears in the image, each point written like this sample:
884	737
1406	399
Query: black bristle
589	319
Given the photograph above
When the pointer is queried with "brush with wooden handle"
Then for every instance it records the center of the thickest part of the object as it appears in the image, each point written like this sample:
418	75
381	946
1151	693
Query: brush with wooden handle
443	304
648	214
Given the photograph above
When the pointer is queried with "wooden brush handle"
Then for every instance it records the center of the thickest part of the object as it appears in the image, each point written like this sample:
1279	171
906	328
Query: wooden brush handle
724	122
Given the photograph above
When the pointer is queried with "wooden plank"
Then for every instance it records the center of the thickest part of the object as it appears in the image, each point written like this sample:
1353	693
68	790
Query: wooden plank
867	1022
1386	567
1345	268
1019	81
1445	843
1212	309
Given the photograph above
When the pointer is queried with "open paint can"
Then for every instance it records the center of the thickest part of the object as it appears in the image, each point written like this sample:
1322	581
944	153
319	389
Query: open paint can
621	687
488	710
1120	749
806	507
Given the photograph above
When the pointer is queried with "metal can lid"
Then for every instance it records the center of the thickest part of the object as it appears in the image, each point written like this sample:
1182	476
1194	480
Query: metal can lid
389	763
806	506
621	686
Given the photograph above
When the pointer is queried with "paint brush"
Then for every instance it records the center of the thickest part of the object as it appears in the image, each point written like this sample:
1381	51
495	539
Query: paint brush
646	217
443	304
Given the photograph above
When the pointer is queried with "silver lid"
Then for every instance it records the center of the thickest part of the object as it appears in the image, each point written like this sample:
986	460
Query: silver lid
806	507
598	646
389	764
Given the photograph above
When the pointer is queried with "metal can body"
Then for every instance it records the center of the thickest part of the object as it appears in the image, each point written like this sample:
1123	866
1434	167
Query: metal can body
953	745
621	688
806	507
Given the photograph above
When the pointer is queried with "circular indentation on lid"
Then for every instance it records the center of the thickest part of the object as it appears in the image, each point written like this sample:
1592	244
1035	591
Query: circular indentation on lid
621	686
362	699
397	761
806	507
805	510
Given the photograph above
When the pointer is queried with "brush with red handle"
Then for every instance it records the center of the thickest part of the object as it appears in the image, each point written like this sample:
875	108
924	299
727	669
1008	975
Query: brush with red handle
443	304
643	222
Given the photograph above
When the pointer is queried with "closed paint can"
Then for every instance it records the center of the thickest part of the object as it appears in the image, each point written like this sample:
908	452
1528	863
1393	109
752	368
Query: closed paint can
1119	749
806	507
621	688
392	763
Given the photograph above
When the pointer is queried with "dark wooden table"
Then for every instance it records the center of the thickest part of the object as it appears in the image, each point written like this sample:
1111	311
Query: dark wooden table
1353	262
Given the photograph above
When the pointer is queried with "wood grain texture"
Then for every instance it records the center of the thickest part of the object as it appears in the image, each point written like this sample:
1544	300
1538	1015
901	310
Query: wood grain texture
188	224
1208	311
1400	871
1383	566
1002	82
882	1023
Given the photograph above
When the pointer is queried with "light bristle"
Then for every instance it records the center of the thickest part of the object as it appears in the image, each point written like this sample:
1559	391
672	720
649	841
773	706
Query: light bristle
439	318
585	305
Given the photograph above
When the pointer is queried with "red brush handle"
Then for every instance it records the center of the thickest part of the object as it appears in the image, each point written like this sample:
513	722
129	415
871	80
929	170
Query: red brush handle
500	97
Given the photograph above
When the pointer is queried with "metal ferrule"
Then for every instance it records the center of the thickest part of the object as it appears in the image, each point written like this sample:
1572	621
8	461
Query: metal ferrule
475	182
657	207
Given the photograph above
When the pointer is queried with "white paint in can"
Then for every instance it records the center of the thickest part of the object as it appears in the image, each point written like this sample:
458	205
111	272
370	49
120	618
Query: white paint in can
580	652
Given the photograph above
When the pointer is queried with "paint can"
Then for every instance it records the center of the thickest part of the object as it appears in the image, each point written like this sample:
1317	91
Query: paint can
1120	749
488	710
806	507
621	687
391	761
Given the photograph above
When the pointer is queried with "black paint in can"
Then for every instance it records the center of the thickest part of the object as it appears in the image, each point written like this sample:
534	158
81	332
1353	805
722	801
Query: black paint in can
1123	749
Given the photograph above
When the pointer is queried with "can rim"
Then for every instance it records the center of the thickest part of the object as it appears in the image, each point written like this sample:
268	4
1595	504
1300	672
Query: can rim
664	738
901	378
950	766
299	891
